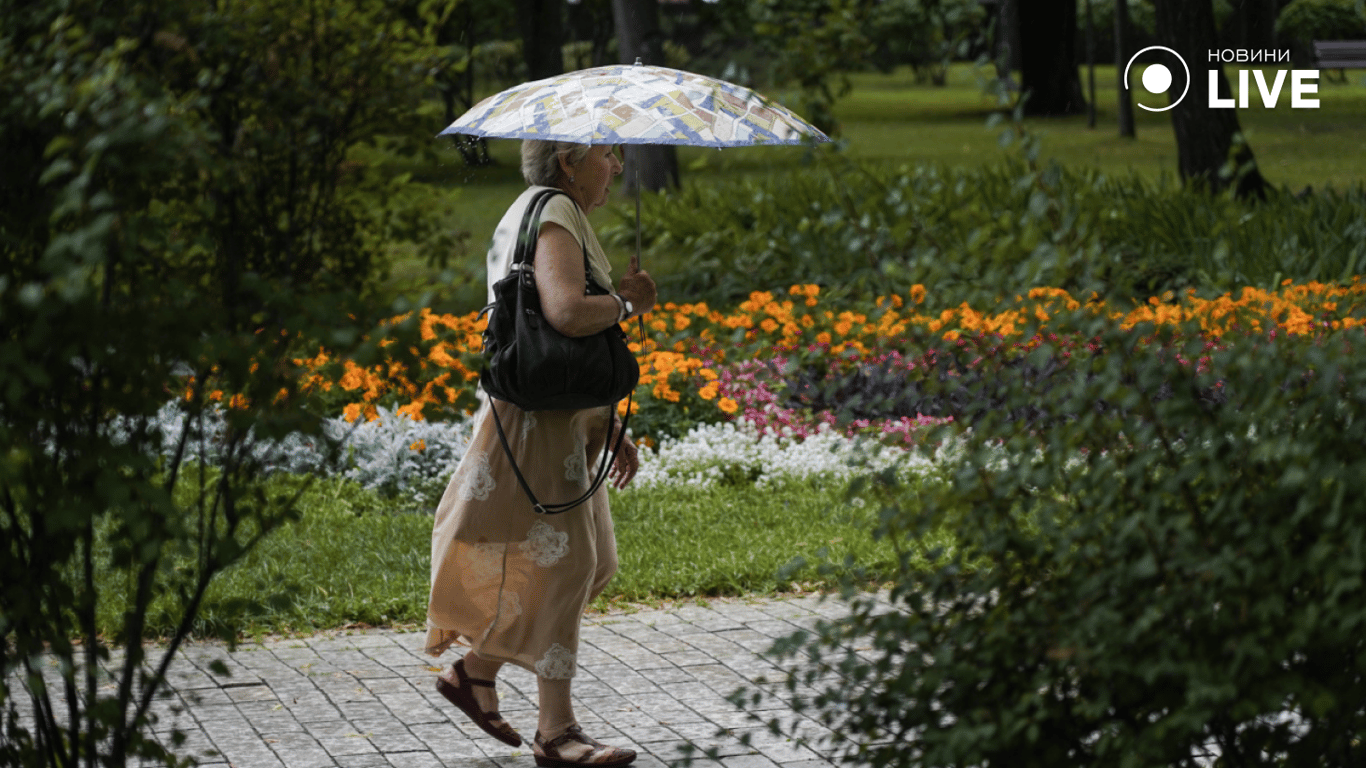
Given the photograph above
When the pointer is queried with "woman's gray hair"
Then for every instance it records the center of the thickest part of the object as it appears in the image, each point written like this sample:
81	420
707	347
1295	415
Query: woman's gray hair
541	160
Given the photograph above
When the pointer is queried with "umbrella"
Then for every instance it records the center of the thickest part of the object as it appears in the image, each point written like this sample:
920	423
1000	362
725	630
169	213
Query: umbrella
636	104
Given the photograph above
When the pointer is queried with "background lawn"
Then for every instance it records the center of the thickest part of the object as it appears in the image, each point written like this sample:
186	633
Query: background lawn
892	119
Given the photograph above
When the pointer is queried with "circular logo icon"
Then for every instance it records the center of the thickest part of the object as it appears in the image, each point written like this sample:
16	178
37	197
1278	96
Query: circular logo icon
1158	77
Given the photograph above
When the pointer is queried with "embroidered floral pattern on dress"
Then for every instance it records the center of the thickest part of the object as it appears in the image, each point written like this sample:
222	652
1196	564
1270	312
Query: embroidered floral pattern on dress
480	481
559	663
528	424
508	611
545	545
576	464
484	561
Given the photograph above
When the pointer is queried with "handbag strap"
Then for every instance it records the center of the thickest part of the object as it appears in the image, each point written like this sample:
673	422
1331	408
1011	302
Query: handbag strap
603	464
523	257
525	250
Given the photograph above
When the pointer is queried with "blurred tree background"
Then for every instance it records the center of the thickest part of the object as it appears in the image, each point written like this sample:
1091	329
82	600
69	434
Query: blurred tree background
190	198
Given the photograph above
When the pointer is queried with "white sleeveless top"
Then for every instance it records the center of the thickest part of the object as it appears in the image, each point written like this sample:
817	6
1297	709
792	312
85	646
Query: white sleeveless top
560	209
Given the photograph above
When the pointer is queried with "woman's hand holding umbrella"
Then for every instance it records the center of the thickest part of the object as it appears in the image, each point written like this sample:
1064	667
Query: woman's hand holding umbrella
637	287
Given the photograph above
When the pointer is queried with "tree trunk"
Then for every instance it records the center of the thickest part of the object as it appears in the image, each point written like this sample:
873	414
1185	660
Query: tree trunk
1090	67
1204	136
1123	50
1048	58
542	37
639	37
1008	38
1254	24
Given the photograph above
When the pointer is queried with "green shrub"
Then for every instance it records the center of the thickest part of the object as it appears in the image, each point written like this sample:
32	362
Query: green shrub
975	234
1142	585
1142	26
926	34
176	214
1303	21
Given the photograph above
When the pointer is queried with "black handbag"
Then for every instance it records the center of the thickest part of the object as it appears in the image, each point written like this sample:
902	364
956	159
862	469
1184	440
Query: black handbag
531	365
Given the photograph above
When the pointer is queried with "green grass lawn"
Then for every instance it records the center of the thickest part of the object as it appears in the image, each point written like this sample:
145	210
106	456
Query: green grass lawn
351	559
893	119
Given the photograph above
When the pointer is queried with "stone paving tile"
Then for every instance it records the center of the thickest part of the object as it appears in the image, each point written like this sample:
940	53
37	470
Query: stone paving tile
654	680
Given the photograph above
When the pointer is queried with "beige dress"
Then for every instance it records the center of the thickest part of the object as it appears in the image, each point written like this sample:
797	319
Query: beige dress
506	581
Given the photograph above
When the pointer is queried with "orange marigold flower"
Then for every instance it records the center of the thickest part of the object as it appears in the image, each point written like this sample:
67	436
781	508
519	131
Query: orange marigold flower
823	338
440	356
351	412
420	445
412	410
728	405
769	325
354	378
708	392
917	294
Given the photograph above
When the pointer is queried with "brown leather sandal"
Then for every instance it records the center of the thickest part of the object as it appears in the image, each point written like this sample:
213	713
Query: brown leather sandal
464	699
547	753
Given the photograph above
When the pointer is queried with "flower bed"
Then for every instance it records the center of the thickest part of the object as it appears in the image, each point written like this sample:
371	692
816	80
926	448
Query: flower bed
776	362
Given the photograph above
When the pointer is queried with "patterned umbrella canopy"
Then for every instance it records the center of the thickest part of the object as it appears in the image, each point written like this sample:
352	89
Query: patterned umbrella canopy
636	104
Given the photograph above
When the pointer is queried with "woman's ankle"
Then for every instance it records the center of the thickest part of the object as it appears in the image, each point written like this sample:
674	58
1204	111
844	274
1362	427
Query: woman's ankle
480	668
550	730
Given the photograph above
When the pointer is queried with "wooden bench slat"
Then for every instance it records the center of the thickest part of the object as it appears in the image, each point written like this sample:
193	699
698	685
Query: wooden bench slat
1340	54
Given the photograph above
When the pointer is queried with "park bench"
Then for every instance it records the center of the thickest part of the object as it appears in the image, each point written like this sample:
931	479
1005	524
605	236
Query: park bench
1340	54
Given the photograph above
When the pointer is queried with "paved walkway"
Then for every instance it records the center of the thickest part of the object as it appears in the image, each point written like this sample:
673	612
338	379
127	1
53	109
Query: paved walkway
653	680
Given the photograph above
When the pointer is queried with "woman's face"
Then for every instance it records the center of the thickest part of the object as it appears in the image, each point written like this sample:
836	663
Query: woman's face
592	177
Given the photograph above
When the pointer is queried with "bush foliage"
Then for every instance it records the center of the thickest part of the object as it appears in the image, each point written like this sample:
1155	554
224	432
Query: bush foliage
1157	583
1304	21
975	234
177	207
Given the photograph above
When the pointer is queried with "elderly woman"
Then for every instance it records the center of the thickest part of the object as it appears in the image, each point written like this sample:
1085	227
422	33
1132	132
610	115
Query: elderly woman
509	584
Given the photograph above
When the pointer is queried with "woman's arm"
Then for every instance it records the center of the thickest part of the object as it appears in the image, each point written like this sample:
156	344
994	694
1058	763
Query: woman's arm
560	281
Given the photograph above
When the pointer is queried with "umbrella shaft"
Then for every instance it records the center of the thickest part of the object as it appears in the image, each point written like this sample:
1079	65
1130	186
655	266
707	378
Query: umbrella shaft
637	172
